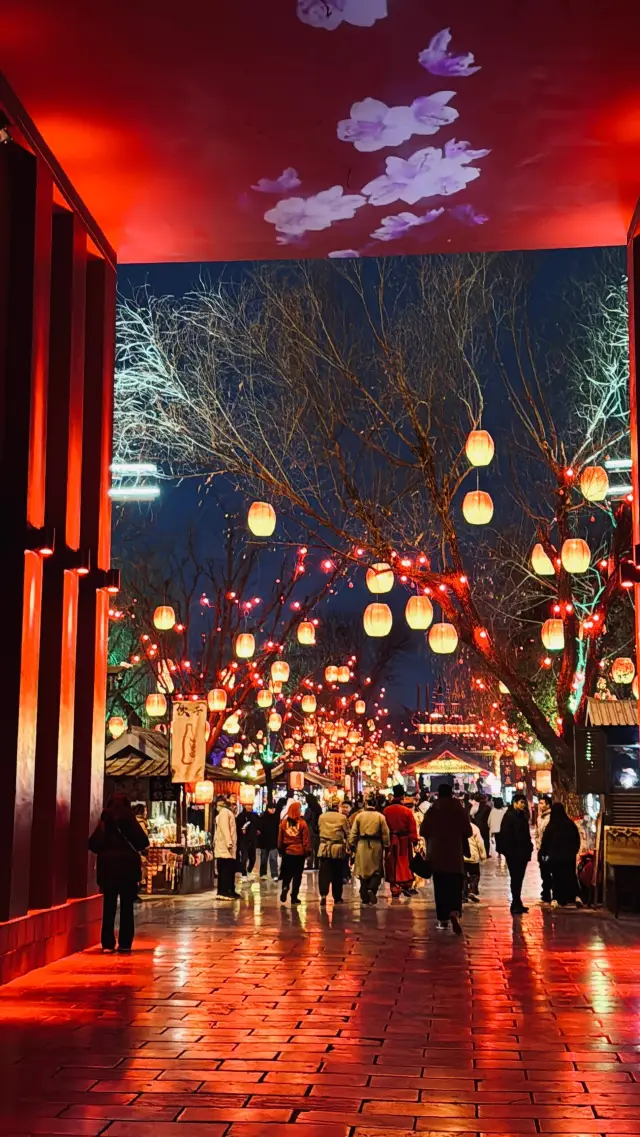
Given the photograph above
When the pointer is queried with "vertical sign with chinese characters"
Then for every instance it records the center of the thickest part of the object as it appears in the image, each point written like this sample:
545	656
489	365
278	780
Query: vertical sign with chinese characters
188	741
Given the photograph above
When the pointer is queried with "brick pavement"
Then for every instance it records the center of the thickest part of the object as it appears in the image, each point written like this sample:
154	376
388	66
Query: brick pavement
235	1021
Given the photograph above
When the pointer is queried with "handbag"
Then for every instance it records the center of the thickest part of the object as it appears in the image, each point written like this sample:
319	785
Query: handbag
420	866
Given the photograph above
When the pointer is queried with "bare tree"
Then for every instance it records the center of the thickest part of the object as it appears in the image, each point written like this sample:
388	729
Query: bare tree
346	394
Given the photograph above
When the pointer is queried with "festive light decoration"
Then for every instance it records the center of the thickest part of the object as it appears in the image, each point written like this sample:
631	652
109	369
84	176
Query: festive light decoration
344	674
552	634
274	722
540	562
443	639
289	743
264	699
117	726
479	448
521	759
310	752
331	674
309	704
634	688
280	671
419	613
503	689
594	483
360	706
379	578
262	519
575	555
245	645
377	620
164	618
156	705
203	793
296	780
477	507
543	781
217	699
306	632
231	724
623	670
247	794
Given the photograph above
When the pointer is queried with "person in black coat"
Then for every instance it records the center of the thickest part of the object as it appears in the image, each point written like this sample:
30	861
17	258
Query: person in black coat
118	841
560	845
268	824
247	828
516	847
481	819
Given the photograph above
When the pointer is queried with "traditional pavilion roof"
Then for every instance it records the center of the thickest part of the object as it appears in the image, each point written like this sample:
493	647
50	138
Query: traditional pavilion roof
446	758
186	130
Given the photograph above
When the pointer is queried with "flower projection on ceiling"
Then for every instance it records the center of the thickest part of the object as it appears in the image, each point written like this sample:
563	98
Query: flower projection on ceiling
423	177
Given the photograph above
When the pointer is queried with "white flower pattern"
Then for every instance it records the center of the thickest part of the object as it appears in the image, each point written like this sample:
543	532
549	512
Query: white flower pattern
293	216
329	14
427	173
373	125
401	223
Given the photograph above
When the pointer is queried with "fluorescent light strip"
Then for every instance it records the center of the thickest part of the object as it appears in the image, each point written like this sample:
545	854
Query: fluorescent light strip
132	468
619	491
618	463
134	493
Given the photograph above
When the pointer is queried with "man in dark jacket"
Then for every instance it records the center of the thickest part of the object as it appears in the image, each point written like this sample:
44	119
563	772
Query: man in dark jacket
516	846
118	841
446	829
481	819
247	828
268	841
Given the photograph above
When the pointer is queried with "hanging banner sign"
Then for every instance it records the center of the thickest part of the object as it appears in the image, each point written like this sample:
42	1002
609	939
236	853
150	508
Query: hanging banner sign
188	741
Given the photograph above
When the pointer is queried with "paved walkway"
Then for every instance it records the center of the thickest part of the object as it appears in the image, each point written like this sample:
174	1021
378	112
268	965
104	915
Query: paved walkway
243	1020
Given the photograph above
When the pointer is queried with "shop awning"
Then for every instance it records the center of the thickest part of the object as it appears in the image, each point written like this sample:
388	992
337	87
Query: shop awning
612	712
138	754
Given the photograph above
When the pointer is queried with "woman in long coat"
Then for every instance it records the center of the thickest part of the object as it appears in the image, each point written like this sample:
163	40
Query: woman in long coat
369	838
118	842
403	836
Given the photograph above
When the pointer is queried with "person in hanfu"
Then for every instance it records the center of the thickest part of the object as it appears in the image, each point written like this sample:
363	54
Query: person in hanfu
403	835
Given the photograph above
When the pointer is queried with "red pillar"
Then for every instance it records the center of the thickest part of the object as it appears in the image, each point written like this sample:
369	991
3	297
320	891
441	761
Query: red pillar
633	272
26	197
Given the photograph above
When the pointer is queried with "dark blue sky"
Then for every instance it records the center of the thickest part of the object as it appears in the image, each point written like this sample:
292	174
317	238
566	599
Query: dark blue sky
183	506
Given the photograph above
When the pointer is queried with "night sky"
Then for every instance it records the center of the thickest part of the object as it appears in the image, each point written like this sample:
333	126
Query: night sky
184	506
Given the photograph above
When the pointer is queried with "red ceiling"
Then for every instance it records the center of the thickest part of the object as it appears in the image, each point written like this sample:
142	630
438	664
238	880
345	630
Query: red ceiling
164	115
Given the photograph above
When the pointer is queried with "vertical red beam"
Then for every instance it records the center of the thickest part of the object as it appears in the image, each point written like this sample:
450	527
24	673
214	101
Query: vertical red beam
93	605
56	688
26	201
633	273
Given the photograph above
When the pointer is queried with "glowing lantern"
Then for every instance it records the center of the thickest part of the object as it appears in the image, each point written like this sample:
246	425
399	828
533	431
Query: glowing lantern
477	507
541	564
479	448
309	704
164	618
443	639
503	689
360	706
306	632
289	743
247	794
379	578
575	555
353	737
237	748
231	725
217	699
521	759
594	483
296	780
623	669
343	674
543	781
634	688
309	751
419	613
262	519
265	699
155	705
342	731
203	793
245	645
331	674
228	763
117	726
275	722
553	635
377	619
280	671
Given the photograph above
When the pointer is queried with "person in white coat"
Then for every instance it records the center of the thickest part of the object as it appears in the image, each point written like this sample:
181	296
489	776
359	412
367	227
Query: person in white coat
498	811
472	861
225	850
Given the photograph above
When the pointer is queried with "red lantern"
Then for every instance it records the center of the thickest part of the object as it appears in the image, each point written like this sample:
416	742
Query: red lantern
296	780
203	793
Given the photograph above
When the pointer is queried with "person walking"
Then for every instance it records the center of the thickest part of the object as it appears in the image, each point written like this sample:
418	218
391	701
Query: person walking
333	837
118	840
247	830
403	836
369	838
498	810
516	846
294	844
225	850
446	830
268	840
544	813
312	815
560	846
472	861
481	819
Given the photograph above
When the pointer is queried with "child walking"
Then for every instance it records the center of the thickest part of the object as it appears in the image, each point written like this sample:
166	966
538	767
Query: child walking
472	861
